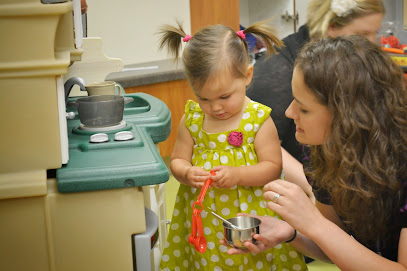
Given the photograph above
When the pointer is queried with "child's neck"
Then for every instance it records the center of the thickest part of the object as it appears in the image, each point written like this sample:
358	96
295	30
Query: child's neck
214	125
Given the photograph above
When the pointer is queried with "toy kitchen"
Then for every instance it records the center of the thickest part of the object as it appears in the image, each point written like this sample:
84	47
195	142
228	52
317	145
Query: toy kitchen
73	196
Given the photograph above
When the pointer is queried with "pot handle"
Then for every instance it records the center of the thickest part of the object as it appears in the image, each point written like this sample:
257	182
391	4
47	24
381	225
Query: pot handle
128	100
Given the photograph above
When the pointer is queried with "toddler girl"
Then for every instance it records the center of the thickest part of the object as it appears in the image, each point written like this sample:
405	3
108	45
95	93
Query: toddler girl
228	133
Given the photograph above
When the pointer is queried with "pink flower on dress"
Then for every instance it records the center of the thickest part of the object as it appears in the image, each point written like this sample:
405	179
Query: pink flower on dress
235	139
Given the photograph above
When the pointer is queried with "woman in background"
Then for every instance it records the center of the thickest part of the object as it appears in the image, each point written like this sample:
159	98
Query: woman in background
271	84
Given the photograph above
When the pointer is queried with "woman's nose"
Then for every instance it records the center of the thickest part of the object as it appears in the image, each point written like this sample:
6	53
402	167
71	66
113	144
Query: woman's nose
290	111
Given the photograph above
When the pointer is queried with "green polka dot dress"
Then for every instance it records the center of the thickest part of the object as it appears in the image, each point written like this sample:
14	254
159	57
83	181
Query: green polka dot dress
211	150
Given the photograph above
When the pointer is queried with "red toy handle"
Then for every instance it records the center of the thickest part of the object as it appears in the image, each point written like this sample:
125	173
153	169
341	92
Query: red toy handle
205	187
200	242
192	237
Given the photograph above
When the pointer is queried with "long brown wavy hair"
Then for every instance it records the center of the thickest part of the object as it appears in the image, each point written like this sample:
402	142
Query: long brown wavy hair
364	158
214	48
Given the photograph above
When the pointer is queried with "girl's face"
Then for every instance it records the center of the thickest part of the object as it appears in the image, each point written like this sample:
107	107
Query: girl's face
224	96
367	26
312	119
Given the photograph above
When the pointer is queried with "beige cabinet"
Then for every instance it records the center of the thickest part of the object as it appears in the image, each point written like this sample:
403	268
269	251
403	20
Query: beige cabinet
40	228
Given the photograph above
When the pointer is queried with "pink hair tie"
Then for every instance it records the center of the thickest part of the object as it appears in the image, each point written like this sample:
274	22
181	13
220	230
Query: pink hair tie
241	34
187	38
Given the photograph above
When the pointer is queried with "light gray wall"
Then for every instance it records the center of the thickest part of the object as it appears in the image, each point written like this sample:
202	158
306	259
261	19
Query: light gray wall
128	27
256	10
252	11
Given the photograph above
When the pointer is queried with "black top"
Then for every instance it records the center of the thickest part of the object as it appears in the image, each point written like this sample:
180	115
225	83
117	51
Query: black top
271	86
388	248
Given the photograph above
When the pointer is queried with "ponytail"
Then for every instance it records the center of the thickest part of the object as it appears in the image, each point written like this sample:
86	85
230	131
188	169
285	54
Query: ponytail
267	34
214	48
172	38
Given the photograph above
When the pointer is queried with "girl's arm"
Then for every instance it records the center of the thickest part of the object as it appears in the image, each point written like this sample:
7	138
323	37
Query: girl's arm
268	150
320	226
181	158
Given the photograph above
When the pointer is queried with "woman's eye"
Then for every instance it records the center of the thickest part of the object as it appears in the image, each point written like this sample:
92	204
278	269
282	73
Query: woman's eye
303	111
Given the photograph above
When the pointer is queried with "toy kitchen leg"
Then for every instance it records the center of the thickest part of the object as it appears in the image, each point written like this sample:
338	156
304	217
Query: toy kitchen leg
144	243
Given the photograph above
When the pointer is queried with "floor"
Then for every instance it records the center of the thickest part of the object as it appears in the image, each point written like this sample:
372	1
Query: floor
171	189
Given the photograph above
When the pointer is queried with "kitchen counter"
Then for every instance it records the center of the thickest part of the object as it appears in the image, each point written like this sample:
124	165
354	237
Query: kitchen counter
149	73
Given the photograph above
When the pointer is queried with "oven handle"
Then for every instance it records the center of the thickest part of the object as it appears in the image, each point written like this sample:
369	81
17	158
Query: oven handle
143	241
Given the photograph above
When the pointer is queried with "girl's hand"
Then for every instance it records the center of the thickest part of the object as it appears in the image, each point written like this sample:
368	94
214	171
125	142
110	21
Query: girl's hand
273	231
293	205
226	176
196	176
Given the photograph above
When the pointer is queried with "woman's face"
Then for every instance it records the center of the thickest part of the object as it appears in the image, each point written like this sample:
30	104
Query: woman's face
367	26
312	119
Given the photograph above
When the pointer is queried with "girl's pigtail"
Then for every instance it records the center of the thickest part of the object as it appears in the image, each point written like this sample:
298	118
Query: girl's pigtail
267	34
172	38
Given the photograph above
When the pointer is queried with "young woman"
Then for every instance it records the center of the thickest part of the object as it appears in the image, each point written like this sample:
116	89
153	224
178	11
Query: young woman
350	103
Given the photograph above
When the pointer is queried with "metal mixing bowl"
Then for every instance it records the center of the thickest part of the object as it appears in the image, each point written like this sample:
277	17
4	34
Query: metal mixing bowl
236	237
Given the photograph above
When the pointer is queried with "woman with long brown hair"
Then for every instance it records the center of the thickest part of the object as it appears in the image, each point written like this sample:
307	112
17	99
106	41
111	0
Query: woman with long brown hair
350	108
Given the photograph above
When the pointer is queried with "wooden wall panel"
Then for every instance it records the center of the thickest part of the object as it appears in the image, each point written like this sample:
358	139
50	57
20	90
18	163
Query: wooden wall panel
210	12
174	94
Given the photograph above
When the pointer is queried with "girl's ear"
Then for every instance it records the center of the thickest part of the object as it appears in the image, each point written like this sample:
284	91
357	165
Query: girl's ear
249	74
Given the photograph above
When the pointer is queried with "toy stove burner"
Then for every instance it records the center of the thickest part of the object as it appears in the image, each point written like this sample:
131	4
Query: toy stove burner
121	125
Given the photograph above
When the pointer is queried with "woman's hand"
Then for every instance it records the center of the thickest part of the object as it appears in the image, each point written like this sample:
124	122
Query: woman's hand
293	205
273	231
226	176
196	176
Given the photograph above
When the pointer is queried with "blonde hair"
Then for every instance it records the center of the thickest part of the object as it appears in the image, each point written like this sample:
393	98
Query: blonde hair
214	48
320	16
